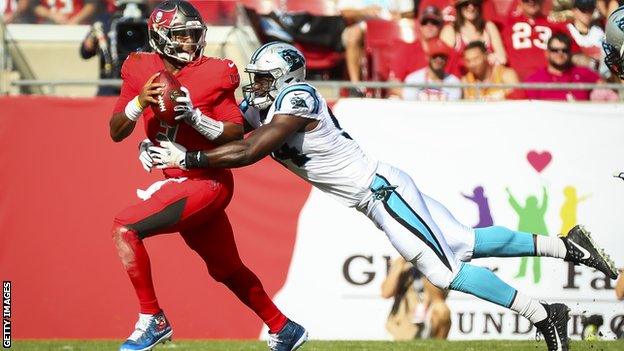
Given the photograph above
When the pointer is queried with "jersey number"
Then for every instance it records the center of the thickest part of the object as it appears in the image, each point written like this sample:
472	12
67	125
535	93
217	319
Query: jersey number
290	153
168	134
522	33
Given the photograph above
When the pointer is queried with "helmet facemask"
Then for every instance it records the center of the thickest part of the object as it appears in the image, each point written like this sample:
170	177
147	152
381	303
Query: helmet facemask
177	31
613	59
262	89
183	42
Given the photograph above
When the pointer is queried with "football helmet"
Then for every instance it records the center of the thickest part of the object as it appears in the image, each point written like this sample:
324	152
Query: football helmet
282	63
171	21
613	44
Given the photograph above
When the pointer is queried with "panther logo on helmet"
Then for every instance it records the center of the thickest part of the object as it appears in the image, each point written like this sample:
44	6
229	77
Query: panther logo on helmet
293	58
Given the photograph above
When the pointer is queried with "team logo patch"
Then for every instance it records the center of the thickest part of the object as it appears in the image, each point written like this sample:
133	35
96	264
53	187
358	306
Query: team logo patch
158	16
298	102
293	58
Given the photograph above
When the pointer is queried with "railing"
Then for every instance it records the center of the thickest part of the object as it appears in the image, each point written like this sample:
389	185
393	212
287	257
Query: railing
346	84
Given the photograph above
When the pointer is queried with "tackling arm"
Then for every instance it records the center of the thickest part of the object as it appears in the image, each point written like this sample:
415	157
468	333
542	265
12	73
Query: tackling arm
245	152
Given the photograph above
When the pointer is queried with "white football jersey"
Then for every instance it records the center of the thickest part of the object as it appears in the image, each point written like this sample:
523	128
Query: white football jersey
326	156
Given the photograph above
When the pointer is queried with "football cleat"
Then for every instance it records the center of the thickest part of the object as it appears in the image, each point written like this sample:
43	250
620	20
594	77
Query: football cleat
554	328
290	338
581	249
149	331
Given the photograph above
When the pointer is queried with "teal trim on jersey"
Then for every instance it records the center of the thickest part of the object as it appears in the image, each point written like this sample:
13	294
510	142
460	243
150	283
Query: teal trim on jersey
502	242
482	283
298	87
244	106
401	211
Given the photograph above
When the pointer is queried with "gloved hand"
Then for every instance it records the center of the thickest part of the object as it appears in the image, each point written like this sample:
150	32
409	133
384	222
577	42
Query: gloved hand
205	125
168	155
144	157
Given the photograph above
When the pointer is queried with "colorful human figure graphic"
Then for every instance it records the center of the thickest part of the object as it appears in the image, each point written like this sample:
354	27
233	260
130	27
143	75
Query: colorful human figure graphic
479	198
531	220
569	208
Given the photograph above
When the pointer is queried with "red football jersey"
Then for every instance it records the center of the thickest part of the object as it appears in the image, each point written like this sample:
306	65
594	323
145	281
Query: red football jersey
66	7
211	83
526	39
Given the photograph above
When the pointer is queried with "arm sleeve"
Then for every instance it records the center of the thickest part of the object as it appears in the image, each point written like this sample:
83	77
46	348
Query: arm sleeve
299	100
128	87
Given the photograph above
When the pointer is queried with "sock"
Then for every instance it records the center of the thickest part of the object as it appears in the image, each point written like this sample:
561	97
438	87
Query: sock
136	261
528	307
248	288
482	283
502	242
549	246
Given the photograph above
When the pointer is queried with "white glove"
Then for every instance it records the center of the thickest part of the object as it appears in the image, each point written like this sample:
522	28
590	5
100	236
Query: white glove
205	125
144	157
169	155
186	111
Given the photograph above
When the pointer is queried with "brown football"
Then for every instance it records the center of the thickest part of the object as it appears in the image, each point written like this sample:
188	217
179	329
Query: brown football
163	110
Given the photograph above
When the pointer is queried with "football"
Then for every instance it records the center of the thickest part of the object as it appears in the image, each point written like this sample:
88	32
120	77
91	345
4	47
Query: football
163	110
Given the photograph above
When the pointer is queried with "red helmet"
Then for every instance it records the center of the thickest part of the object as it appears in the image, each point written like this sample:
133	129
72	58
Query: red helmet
172	20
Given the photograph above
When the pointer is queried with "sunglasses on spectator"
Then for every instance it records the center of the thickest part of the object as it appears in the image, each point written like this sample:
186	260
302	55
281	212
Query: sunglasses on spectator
473	3
439	57
430	21
560	50
534	1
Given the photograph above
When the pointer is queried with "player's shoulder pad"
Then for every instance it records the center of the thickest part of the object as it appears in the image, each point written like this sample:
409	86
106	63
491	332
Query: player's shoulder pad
136	59
227	71
299	96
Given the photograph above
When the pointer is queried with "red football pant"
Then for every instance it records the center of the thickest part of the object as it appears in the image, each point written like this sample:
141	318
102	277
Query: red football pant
195	208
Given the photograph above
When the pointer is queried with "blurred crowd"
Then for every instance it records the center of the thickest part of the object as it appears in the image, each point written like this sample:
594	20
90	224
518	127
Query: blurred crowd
412	41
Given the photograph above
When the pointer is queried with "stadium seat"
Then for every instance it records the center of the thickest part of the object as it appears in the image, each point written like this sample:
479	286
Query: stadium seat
317	7
380	38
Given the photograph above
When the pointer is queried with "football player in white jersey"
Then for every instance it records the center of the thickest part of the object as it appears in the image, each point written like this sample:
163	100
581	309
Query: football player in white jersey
292	122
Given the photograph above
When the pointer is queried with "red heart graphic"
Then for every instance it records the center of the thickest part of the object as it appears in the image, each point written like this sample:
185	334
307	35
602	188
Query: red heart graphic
539	160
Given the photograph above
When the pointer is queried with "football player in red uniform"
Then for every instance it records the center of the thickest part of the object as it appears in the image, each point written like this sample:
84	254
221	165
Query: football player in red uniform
66	11
189	202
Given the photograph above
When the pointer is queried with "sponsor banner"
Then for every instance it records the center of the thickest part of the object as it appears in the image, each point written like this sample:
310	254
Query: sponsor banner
540	164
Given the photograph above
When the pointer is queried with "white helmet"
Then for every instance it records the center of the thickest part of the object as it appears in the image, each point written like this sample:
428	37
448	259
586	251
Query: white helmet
281	61
613	44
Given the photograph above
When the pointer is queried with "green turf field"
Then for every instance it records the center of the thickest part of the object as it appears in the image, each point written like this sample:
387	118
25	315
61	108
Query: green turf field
222	345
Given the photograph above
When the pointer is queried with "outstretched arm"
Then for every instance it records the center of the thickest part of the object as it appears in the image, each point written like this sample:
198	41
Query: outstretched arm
236	153
512	201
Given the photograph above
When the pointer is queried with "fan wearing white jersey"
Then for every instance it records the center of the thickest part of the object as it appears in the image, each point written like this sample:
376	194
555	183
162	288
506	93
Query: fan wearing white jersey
292	122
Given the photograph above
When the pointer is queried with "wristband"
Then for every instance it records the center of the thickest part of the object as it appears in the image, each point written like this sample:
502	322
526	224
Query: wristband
208	127
195	159
133	109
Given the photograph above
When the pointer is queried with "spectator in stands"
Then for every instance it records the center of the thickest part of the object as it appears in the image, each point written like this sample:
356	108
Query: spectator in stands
128	34
418	305
480	70
560	69
525	35
66	12
435	72
357	12
587	35
470	26
411	57
16	11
